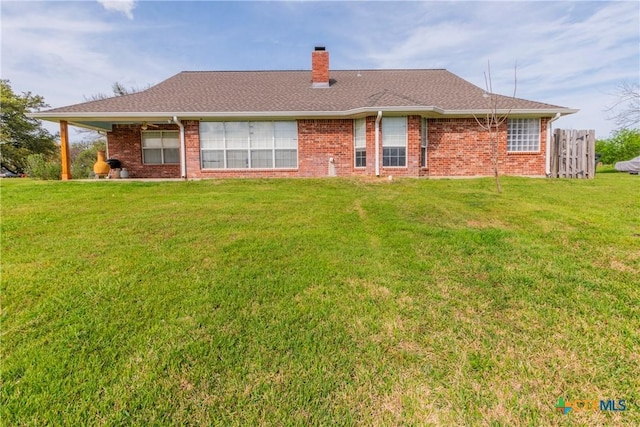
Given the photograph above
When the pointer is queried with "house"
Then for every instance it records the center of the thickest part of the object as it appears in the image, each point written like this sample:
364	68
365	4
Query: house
397	122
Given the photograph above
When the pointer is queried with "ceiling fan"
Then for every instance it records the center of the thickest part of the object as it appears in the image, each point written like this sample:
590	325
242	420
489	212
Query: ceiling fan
145	125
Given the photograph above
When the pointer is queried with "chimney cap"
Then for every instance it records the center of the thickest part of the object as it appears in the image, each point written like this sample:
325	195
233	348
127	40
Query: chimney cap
320	48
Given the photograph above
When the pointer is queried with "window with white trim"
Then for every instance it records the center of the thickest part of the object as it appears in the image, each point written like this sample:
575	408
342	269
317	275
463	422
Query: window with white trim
423	143
160	147
523	135
252	145
360	142
394	141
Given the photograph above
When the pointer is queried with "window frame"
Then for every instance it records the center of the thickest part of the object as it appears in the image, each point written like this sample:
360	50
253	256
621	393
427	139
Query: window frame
521	142
162	148
424	142
280	146
395	147
360	144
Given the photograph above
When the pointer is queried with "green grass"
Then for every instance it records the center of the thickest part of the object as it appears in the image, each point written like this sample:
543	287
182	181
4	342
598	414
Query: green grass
317	302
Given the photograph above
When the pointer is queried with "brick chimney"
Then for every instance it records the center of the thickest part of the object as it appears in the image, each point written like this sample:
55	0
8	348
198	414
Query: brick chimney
320	67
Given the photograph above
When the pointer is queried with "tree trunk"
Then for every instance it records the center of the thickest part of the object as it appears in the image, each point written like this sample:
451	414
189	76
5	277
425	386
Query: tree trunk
494	158
497	176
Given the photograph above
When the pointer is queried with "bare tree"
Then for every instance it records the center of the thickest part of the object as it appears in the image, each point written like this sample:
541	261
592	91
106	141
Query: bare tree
625	113
118	89
492	120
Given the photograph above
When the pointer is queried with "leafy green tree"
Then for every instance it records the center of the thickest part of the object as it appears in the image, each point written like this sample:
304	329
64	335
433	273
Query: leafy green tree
83	157
21	136
623	145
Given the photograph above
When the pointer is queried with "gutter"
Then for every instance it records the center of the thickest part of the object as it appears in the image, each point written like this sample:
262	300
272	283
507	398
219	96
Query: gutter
183	149
547	165
378	118
200	115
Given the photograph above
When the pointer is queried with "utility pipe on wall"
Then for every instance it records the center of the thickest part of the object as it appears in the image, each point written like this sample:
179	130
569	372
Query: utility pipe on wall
547	169
378	118
183	150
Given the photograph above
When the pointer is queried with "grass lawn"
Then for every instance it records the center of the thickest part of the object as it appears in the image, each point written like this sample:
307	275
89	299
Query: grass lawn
317	302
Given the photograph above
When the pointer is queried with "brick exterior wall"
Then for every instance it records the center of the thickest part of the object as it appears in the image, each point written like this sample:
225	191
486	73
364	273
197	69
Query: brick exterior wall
460	147
456	147
125	144
321	140
528	164
192	145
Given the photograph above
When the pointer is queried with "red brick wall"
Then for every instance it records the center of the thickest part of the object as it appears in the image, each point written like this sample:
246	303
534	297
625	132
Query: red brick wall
320	140
192	145
527	164
460	147
456	147
125	144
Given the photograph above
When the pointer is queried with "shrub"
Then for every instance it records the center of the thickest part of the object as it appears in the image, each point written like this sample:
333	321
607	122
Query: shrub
39	167
623	145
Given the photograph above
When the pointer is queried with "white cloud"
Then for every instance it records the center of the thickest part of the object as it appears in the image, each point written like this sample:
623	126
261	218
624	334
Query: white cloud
568	53
571	54
122	6
64	52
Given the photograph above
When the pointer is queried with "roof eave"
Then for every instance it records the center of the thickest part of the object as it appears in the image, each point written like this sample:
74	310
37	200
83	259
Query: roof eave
92	119
537	112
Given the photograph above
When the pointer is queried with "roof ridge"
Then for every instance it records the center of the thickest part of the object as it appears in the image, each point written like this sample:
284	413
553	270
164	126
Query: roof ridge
355	70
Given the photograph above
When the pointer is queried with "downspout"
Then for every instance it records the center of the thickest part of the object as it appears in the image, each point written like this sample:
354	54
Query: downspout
183	149
547	170
378	118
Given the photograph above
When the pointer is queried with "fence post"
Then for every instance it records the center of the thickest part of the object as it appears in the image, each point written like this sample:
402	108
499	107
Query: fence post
591	153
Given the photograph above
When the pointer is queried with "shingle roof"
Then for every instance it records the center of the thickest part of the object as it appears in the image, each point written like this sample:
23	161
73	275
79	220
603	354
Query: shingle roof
210	92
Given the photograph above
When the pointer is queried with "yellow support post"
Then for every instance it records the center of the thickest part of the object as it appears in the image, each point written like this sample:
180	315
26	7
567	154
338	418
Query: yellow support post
64	150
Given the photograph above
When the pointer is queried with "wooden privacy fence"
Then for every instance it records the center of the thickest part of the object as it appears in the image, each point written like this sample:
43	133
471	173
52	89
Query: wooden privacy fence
573	154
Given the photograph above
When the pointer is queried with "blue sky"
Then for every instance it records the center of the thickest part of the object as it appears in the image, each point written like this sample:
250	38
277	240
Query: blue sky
568	53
